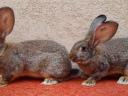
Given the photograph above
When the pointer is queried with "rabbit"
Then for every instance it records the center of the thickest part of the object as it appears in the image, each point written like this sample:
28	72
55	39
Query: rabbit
44	59
98	55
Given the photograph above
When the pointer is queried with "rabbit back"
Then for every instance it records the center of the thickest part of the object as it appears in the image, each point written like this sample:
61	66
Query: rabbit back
116	53
117	48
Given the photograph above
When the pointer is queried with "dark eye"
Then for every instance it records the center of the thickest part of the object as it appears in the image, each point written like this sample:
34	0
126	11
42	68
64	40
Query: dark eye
83	48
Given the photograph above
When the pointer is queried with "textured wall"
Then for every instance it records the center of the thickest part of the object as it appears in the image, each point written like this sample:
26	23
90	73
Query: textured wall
65	21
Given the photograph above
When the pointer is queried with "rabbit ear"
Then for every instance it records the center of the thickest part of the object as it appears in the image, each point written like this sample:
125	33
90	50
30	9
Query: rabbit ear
96	22
7	20
104	33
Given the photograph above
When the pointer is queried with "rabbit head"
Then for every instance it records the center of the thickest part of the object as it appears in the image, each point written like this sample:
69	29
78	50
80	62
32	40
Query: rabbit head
100	31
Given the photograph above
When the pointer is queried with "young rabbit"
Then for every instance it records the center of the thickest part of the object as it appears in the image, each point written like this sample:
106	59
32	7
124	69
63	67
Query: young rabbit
37	58
98	56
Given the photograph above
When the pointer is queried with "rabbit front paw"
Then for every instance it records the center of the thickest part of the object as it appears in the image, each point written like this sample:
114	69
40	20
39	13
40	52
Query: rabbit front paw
49	82
2	82
123	80
89	82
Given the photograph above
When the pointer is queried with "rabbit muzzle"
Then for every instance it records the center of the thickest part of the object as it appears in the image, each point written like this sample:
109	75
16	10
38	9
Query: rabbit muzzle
79	60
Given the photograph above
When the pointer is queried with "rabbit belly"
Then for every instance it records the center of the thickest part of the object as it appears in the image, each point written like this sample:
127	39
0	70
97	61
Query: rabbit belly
116	70
27	74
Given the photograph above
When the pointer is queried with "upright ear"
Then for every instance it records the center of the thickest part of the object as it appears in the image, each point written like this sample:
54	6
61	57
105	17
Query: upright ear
96	22
102	32
7	20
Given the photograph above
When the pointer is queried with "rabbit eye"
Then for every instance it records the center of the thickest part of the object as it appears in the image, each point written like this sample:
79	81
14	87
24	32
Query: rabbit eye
83	48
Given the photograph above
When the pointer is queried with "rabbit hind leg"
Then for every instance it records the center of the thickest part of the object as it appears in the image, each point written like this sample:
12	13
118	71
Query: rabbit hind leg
3	83
124	79
49	80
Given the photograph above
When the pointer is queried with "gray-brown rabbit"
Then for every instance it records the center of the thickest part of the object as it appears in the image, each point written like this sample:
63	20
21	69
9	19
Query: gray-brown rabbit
36	58
98	56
